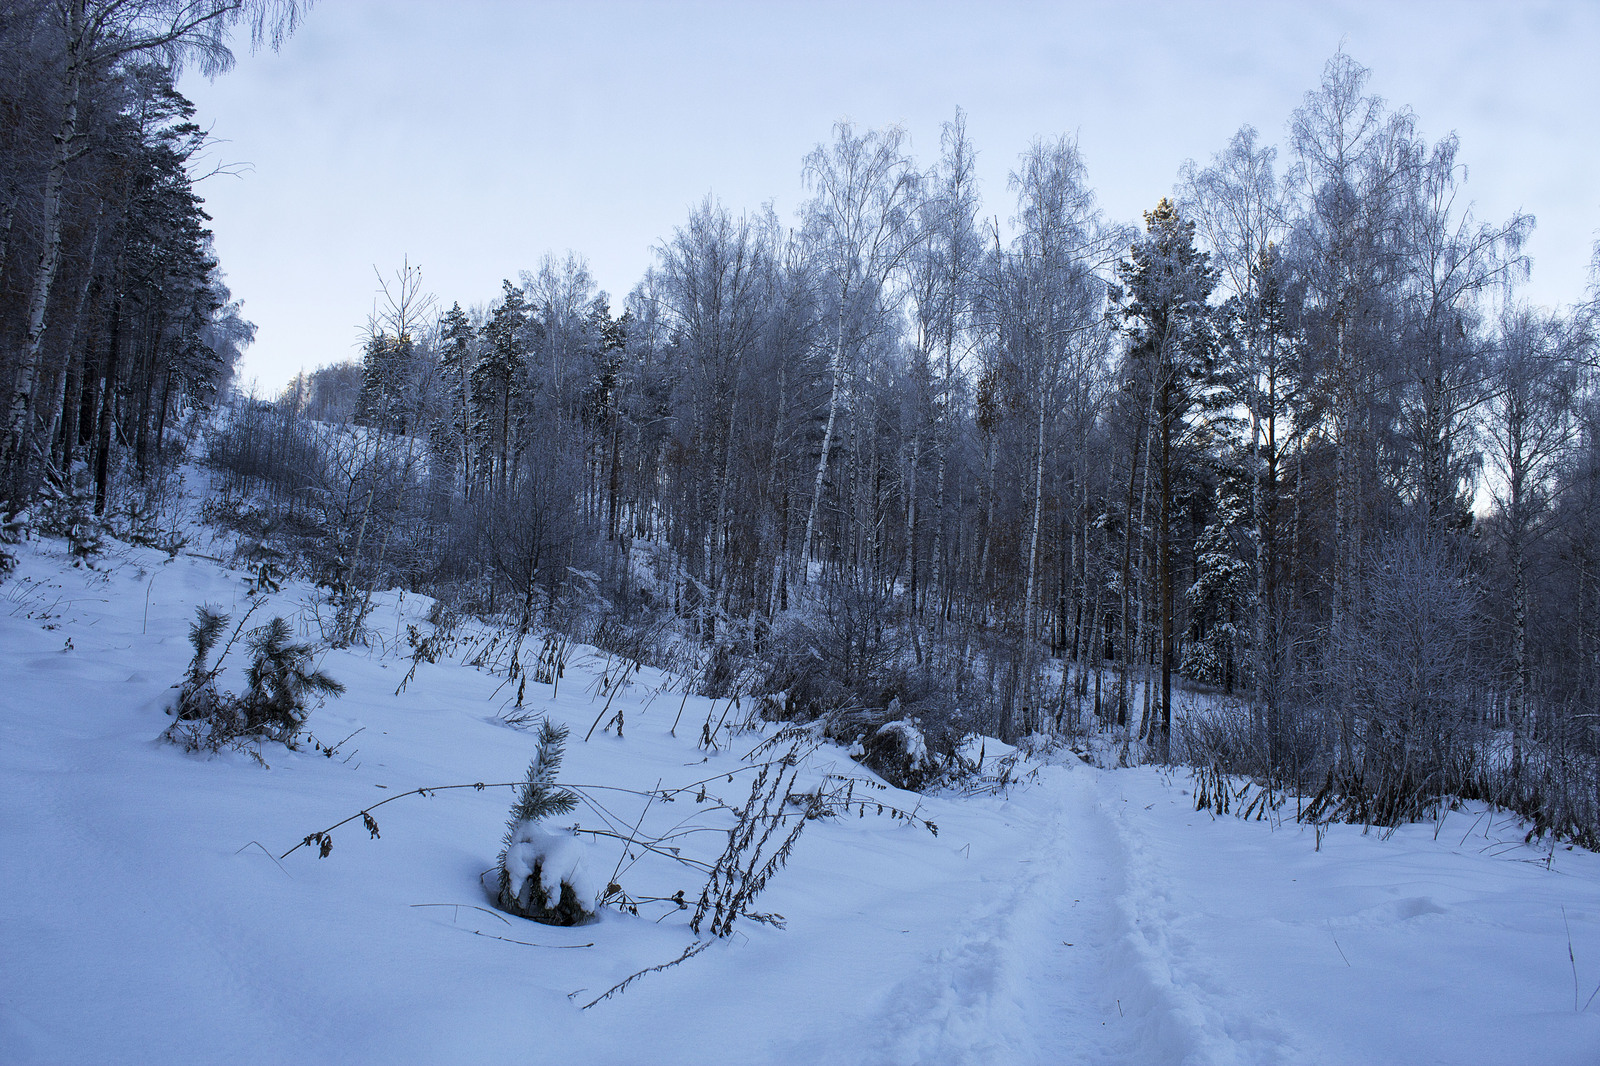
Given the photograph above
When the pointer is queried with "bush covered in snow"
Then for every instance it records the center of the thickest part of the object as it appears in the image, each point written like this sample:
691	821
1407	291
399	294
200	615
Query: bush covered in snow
898	750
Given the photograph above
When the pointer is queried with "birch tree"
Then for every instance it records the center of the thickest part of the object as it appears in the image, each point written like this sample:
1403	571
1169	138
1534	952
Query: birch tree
861	224
1453	263
1353	159
942	283
711	287
1529	425
1047	300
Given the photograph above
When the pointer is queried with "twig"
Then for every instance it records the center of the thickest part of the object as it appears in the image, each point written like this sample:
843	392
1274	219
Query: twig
474	906
327	842
1339	949
528	943
635	832
681	704
1571	957
615	688
269	855
492	936
688	953
665	852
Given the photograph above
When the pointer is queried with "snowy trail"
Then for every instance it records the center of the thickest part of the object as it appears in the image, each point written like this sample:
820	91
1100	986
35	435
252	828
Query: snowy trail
1025	974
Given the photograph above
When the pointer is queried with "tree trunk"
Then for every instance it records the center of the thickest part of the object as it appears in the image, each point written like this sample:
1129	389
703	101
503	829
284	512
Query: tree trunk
108	399
1030	695
1125	642
1164	548
836	369
18	416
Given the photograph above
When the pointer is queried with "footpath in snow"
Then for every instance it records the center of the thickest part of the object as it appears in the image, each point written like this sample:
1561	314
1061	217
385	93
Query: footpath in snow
1083	916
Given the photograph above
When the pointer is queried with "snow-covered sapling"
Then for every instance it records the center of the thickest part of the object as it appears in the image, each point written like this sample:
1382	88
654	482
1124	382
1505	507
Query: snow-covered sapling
542	874
197	696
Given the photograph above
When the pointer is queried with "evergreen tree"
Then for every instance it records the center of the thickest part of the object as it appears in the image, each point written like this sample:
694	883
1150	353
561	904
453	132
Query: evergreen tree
1167	281
280	681
453	434
526	887
386	379
497	383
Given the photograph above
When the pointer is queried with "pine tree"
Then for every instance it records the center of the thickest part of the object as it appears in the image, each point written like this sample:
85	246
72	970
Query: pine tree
385	373
496	383
280	681
456	365
197	695
1164	310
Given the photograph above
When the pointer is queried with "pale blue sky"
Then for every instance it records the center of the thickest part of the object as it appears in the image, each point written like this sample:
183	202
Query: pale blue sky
475	136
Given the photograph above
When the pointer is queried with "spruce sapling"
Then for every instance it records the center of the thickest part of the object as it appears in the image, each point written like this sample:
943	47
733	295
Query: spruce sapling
540	872
197	697
279	683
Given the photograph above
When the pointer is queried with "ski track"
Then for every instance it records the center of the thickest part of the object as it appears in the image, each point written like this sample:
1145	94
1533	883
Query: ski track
1035	972
1183	1010
1078	956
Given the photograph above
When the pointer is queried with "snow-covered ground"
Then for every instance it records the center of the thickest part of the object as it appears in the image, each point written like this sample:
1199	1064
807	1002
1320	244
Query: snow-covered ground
1083	917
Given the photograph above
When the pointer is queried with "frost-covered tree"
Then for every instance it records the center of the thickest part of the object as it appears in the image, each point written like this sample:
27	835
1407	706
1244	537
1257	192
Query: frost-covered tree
1166	282
457	360
91	39
860	226
1528	428
497	383
1240	208
1354	163
1045	304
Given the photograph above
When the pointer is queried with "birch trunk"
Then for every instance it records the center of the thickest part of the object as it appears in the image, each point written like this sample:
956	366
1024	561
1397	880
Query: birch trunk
19	409
1031	711
836	369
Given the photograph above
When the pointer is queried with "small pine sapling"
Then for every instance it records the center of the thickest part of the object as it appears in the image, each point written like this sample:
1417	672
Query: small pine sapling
198	698
281	681
541	873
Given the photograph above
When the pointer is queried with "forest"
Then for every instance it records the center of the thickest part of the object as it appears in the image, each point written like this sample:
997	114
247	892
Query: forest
1285	481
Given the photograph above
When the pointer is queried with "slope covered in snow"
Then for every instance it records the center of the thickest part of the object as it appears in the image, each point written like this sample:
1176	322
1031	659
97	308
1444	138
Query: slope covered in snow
1081	916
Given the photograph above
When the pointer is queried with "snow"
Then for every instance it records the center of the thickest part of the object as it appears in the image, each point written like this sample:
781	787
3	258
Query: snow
561	858
1084	916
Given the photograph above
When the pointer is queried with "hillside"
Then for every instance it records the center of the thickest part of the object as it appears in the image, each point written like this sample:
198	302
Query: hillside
1075	915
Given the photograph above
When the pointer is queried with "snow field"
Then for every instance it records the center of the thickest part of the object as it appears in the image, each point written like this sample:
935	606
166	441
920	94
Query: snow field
1088	917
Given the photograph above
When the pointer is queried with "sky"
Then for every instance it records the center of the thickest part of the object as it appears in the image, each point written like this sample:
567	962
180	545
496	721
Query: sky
472	138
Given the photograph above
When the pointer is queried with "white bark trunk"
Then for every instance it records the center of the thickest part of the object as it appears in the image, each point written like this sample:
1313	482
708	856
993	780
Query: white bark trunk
19	409
836	368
